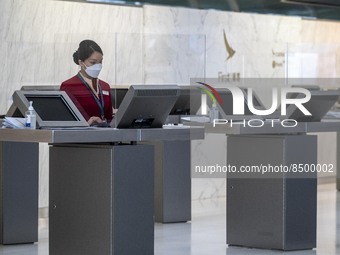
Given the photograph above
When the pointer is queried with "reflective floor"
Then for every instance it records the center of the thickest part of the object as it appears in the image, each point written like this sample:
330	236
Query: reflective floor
206	234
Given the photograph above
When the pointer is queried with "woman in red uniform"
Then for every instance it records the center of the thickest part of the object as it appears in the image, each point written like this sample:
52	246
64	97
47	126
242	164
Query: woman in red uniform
91	95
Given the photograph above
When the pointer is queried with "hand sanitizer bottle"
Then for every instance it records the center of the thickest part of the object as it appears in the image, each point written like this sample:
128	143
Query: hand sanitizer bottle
31	117
213	113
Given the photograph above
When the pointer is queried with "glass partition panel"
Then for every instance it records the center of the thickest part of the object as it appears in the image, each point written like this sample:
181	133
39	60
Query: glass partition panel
154	59
313	61
173	58
129	59
159	59
27	64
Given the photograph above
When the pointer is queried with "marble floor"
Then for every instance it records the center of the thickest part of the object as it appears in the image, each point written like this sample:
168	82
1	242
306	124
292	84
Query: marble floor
206	233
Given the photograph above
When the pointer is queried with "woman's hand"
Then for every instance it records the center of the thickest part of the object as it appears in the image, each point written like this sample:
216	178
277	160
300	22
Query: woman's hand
94	120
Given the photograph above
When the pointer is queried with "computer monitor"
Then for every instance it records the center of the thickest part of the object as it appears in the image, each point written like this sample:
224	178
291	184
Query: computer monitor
117	95
319	104
188	102
146	106
53	108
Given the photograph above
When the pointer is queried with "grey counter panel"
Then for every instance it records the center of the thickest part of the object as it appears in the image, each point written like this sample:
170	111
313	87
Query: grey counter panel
18	192
98	135
101	200
328	125
172	134
172	181
277	212
68	135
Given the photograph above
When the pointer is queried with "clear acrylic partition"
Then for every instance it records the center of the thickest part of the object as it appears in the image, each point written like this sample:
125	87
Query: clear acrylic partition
6	86
262	66
314	64
129	60
173	58
49	64
257	65
26	64
157	59
317	65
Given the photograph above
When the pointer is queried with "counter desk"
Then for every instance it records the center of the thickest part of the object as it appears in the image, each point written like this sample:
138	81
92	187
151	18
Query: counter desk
101	188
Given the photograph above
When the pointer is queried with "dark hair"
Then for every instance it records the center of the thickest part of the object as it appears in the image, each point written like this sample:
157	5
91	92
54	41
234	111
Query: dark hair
85	50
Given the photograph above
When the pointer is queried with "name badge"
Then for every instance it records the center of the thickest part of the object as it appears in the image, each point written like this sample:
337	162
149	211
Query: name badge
106	93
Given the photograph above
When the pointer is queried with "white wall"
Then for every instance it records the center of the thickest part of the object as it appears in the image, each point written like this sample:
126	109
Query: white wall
158	44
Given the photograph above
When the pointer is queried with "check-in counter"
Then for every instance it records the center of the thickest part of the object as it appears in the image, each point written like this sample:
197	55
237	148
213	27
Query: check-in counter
173	181
272	210
101	188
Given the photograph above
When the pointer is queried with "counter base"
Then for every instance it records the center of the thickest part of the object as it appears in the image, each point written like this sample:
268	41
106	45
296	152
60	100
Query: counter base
101	199
272	211
19	175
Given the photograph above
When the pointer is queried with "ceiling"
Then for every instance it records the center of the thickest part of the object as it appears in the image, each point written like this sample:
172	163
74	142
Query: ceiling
318	9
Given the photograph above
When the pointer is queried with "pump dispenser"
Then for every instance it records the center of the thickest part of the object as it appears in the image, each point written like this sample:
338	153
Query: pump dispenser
31	117
213	113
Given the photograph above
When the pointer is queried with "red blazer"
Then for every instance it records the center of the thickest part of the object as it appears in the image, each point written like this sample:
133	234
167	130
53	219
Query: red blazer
83	99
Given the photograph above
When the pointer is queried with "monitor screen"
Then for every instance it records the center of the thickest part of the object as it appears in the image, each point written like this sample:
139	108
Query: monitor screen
53	108
188	102
146	106
59	112
319	104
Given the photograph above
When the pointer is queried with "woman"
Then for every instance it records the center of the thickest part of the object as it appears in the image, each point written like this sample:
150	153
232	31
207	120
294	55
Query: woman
91	95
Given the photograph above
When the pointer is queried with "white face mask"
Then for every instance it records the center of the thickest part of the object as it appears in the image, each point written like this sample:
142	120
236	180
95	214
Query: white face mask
94	70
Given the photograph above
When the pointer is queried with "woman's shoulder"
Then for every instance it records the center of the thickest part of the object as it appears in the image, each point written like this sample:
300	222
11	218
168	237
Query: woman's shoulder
72	81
